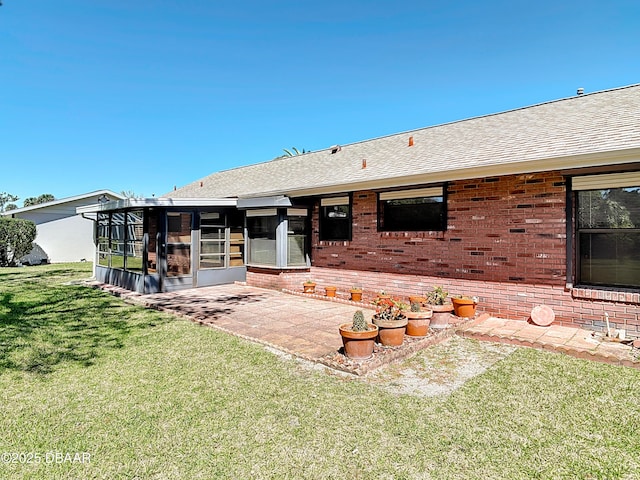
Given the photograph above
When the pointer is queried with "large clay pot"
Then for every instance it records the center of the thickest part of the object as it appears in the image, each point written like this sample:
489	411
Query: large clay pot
464	307
418	323
417	299
309	288
441	315
356	295
330	291
358	345
391	332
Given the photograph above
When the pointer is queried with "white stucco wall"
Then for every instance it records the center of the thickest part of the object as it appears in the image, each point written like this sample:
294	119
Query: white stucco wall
64	235
68	239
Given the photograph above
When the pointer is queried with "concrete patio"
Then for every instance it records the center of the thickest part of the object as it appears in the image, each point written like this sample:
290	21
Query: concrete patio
569	340
306	326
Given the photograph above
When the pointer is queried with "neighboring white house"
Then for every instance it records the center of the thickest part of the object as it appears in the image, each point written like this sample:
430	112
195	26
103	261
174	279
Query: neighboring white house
62	234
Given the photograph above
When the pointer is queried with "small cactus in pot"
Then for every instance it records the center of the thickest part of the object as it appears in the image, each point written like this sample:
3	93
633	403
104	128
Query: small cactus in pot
356	294
441	307
359	323
358	337
309	286
418	320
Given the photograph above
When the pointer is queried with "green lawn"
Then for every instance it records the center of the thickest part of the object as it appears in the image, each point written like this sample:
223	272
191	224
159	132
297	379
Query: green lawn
145	395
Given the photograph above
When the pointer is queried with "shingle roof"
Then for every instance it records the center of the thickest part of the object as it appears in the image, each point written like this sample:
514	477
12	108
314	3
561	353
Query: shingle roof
586	129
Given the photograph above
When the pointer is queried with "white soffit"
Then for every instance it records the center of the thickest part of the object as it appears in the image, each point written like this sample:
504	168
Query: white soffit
608	180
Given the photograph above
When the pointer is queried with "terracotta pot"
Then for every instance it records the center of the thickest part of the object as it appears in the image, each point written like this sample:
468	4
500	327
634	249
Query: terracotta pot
330	291
464	307
356	295
418	323
441	315
358	345
417	299
309	288
391	332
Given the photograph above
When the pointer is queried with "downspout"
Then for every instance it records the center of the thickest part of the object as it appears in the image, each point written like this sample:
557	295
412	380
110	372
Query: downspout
568	213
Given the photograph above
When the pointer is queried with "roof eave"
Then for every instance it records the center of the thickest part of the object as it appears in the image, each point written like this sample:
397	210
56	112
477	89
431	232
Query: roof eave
572	162
130	203
61	201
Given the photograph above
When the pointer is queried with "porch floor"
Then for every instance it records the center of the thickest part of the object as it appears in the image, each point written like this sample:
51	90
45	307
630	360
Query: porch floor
306	326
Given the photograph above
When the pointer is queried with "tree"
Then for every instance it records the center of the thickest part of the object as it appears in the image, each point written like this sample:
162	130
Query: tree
45	197
16	239
130	194
612	208
293	152
6	198
11	206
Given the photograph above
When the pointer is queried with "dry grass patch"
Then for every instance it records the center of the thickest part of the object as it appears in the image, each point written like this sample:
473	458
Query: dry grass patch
441	369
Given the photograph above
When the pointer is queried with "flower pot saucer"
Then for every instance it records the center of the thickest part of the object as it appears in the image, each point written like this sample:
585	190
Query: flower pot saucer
542	315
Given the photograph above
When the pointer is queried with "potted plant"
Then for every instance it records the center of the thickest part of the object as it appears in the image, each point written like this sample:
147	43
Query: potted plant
309	286
418	320
417	299
356	294
437	301
464	306
391	321
358	337
330	290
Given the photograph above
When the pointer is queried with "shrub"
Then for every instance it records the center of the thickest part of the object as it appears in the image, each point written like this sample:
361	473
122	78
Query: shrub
16	239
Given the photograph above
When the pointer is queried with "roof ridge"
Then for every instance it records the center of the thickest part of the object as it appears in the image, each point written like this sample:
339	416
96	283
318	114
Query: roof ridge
443	133
429	127
487	115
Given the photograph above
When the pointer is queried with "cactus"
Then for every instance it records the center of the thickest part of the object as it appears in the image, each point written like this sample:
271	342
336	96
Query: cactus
415	307
437	296
359	323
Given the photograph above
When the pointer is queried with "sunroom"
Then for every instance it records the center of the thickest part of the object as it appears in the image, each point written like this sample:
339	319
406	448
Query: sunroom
154	245
157	245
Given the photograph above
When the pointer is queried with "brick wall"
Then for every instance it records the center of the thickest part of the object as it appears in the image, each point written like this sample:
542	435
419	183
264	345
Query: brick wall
576	307
508	229
505	243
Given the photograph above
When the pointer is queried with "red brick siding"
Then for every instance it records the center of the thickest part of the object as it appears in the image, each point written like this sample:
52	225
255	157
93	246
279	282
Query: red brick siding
505	243
499	229
577	307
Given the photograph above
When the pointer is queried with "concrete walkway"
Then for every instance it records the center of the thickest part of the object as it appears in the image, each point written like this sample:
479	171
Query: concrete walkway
569	340
307	325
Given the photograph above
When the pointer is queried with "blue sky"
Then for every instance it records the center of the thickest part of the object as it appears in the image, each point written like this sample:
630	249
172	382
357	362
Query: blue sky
147	94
